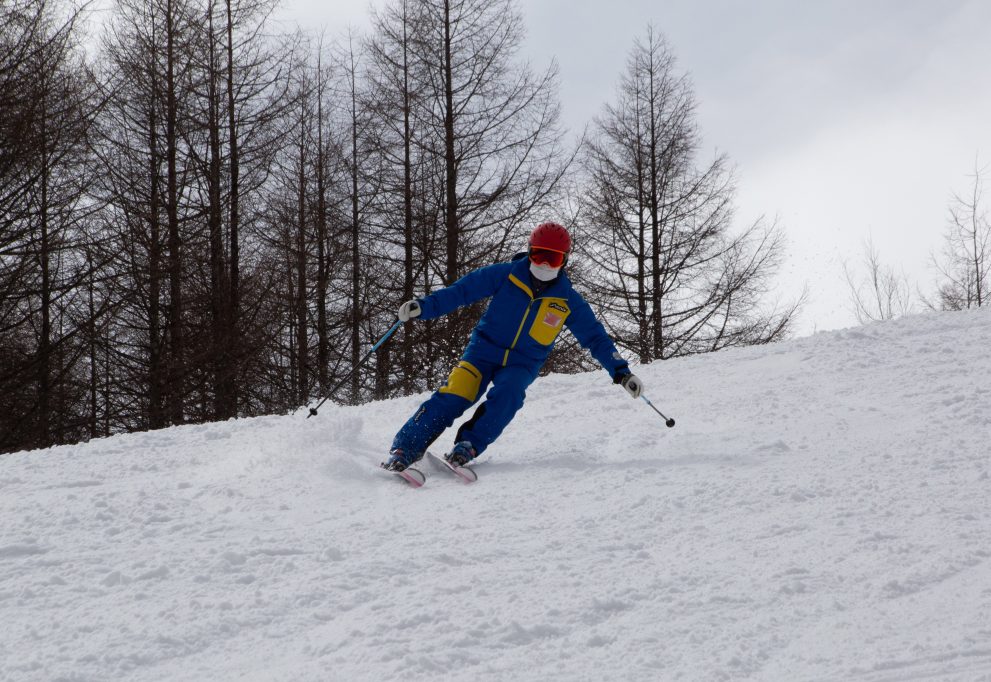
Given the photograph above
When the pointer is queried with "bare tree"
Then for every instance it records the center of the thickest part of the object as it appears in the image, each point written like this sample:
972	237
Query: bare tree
394	90
470	152
491	122
242	104
965	262
357	126
664	263
195	112
321	220
877	292
47	104
146	184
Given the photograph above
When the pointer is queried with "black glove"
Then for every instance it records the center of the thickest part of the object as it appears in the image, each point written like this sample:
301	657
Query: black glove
620	372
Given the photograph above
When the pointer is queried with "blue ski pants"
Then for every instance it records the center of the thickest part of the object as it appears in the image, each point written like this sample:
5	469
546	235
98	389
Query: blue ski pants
466	384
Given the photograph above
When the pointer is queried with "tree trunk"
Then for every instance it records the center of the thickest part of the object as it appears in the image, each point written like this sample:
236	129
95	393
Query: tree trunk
644	341
355	243
450	161
156	369
233	316
301	335
408	369
176	369
44	257
655	226
219	350
93	347
323	341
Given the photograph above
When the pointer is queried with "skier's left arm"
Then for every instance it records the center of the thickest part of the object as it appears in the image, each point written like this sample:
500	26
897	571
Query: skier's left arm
592	335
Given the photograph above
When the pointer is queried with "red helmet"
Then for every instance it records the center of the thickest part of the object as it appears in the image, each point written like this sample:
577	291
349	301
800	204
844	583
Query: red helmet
550	243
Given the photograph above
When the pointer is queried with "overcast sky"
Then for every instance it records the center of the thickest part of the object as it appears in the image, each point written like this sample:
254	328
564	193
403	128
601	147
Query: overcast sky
844	117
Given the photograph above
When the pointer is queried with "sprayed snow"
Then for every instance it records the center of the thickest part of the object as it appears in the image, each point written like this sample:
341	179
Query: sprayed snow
822	511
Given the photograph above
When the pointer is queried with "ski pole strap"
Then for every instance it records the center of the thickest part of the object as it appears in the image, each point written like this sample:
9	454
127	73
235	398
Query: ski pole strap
378	344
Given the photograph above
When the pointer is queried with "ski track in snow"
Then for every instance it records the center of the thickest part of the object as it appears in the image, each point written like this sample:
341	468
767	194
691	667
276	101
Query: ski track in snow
821	512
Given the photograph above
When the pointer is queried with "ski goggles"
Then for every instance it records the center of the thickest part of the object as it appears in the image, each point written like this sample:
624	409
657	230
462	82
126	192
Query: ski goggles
554	259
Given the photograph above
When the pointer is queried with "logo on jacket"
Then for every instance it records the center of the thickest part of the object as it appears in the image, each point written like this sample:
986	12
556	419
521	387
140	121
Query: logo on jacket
552	318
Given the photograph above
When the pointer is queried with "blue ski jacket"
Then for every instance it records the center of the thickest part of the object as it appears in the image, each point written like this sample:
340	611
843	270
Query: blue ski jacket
519	327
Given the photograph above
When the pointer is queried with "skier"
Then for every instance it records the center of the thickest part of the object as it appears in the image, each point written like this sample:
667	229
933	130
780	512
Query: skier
532	300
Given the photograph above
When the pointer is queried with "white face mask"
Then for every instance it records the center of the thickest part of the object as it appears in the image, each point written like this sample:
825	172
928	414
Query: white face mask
543	272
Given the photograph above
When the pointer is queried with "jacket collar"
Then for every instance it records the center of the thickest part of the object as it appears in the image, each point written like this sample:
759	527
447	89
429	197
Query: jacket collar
520	276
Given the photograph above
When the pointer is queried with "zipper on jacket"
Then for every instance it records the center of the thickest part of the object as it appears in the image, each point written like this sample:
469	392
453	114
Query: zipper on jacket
526	314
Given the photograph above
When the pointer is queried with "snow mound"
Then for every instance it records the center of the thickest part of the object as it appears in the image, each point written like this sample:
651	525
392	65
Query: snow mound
821	512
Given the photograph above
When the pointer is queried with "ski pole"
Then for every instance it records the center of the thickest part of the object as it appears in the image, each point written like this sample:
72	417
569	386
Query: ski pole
378	344
667	420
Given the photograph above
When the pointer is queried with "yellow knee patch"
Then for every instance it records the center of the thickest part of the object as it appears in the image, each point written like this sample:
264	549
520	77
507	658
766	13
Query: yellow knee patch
464	381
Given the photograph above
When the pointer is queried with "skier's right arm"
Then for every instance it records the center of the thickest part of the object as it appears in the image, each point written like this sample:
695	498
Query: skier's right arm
474	286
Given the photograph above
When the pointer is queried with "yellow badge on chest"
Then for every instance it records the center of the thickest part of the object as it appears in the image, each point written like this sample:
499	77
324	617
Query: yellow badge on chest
550	320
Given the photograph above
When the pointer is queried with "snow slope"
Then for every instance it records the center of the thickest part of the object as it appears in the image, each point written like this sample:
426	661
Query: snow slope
822	511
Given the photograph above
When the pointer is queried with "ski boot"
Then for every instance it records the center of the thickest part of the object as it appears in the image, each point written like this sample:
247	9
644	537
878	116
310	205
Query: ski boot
461	454
400	460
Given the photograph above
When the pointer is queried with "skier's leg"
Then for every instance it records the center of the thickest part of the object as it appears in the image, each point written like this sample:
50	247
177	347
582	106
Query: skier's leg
466	383
506	397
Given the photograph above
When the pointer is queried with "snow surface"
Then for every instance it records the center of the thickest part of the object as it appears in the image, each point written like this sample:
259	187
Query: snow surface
820	512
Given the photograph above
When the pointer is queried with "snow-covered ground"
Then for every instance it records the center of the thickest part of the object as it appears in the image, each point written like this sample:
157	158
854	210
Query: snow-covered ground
822	511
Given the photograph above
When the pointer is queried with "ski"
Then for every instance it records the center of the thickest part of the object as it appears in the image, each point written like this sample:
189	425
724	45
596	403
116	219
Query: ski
465	473
414	477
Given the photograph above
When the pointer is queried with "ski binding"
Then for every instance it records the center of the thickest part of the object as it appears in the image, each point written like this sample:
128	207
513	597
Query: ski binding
414	477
